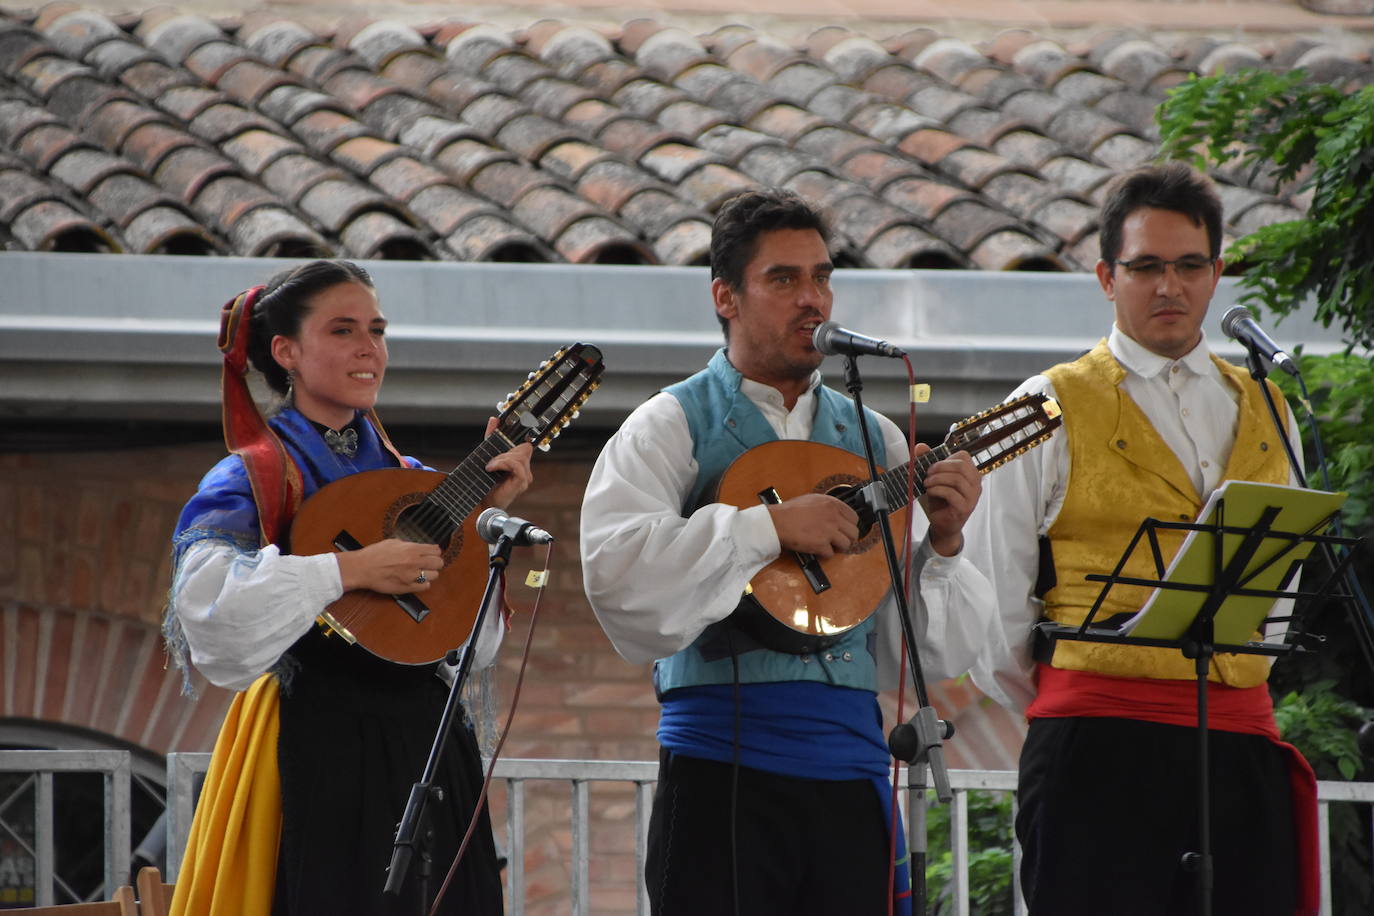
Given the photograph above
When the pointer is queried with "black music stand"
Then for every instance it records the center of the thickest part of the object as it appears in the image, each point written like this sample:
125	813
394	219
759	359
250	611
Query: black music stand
1239	556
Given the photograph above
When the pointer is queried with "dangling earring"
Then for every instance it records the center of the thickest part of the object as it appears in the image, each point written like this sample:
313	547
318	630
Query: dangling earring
289	399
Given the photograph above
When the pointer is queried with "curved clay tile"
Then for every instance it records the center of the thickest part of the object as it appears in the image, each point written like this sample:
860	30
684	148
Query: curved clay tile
1086	87
571	49
288	104
905	247
1018	192
465	158
688	243
837	101
276	40
166	230
773	165
861	218
274	232
965	223
647	97
152	78
430	134
610	183
213	59
690	118
877	168
52	225
571	158
296	174
490	237
1134	109
226	120
187	102
249	80
1036	107
20	190
113	57
471	50
255	150
674	161
758	55
323	130
1013	250
514	71
1068	218
226	200
636	139
190	168
975	167
835	144
44	72
655	210
443	207
597	240
709	186
506	182
984	126
786	121
1137	62
909	44
77	32
364	154
950	59
553	96
1125	151
1046	62
379	234
930	145
898	81
532	135
550	210
854	57
887	122
820	187
668	52
83	167
1261	215
742	99
175	35
734	143
319	62
152	142
1005	45
415	69
1076	174
800	82
380	42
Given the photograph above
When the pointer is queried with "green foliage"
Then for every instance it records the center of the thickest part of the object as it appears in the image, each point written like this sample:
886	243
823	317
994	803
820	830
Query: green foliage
1294	130
1322	724
990	860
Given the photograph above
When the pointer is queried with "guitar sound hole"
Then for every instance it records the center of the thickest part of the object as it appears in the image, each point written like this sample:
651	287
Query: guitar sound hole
413	519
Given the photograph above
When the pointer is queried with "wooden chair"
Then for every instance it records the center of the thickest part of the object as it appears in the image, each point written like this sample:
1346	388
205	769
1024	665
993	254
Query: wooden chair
154	897
122	904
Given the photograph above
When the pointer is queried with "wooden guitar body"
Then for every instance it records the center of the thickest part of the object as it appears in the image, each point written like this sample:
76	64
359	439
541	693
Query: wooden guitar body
369	507
857	578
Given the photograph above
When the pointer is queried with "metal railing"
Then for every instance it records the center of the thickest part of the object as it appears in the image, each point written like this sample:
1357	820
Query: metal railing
39	767
184	770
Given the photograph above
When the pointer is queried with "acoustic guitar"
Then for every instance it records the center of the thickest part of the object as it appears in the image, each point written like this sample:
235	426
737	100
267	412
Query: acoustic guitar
435	508
800	603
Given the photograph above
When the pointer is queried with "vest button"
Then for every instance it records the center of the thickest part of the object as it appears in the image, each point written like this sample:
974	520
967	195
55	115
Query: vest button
730	422
848	656
1264	446
840	427
806	658
1120	443
830	656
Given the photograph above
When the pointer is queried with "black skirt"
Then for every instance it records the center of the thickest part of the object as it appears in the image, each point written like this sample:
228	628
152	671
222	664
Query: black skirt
355	734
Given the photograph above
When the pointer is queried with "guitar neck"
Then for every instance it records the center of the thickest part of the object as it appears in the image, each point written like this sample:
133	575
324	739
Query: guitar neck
469	483
895	481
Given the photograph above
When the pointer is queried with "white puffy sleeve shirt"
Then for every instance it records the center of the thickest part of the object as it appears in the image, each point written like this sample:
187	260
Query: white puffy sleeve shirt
241	611
656	578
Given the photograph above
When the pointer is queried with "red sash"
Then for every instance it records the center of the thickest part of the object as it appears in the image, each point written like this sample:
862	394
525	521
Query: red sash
1247	710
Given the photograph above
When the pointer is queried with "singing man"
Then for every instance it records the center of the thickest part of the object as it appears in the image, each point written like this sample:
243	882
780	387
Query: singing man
772	795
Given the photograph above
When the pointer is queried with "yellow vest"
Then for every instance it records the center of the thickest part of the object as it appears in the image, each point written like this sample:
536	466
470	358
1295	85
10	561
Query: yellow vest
1121	472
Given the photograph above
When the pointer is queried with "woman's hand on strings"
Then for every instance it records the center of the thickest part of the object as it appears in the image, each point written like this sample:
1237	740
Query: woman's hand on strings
392	567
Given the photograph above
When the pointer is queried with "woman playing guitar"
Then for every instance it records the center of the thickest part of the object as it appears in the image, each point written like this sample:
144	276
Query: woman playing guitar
313	764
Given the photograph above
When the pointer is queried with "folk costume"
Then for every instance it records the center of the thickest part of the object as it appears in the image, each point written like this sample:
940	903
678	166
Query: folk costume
1107	794
663	574
316	757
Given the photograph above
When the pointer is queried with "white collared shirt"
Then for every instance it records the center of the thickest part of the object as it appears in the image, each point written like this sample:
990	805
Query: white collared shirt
1194	410
656	578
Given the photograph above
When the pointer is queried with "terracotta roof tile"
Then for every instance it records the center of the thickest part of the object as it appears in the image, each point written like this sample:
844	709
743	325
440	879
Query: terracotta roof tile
906	246
559	141
188	169
379	234
20	190
488	237
52	225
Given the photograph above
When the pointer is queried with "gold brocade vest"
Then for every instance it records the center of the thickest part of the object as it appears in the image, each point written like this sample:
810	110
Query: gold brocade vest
1121	472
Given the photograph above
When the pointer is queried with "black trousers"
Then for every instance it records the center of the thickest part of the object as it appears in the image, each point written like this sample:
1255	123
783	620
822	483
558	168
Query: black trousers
802	846
1108	807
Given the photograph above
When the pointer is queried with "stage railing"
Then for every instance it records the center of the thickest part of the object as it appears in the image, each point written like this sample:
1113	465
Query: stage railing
184	772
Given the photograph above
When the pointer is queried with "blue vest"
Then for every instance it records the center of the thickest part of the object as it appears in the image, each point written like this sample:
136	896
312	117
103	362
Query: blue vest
724	425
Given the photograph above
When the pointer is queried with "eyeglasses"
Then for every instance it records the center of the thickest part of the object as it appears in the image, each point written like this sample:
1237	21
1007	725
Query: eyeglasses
1189	267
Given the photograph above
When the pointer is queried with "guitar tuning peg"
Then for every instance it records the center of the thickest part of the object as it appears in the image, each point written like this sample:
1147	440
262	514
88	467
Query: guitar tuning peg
575	415
543	446
501	405
530	376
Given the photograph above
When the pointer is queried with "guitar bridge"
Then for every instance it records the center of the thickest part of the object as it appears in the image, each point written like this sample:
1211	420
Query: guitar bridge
810	566
412	605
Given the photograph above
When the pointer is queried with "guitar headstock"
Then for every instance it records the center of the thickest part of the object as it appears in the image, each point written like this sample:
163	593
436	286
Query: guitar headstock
1000	433
551	396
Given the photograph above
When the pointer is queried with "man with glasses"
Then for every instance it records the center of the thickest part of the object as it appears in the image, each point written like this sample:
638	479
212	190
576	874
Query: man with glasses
1153	423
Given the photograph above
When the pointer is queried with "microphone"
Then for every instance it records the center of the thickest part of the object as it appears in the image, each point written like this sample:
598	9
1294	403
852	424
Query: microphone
1240	325
494	524
833	340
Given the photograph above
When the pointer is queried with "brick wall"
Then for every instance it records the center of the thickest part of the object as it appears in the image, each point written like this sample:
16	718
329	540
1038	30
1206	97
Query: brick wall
84	569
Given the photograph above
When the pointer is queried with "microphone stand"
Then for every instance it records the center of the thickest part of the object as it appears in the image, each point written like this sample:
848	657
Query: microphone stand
412	825
918	741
